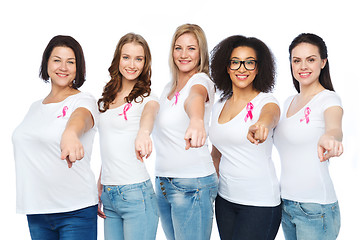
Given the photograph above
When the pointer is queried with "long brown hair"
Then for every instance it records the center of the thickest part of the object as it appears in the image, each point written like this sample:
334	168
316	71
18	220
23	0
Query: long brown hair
142	87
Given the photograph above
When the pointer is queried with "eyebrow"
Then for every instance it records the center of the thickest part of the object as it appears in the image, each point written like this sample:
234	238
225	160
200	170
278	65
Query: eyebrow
248	58
60	57
306	57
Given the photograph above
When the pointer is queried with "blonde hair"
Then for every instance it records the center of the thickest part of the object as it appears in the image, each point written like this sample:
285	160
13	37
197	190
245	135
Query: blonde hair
204	54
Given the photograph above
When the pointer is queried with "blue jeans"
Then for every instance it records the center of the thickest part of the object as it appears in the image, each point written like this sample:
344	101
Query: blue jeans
310	221
131	211
237	221
186	206
75	225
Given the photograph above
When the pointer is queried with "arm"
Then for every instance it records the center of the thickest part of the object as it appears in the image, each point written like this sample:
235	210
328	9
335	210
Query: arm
329	144
269	117
143	144
194	106
216	156
100	188
71	147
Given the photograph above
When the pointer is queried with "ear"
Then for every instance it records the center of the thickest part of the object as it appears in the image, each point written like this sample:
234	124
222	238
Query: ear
323	63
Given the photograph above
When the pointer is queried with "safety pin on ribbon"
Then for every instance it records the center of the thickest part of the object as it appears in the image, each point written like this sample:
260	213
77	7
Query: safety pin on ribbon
177	94
126	108
249	108
63	112
307	113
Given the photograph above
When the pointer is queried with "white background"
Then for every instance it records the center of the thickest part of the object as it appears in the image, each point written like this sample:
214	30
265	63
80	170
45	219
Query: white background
27	26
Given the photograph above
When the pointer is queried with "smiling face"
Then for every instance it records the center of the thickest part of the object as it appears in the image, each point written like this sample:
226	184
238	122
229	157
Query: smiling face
306	64
186	53
242	78
62	67
132	60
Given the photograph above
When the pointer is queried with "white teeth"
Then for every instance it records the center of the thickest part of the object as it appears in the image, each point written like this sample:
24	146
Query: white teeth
241	77
304	74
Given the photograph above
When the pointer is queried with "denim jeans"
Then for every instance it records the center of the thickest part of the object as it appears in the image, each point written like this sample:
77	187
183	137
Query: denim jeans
310	221
186	206
237	221
131	211
75	225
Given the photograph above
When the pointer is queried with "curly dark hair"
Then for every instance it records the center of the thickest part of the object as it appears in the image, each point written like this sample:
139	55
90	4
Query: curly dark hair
324	78
142	87
220	57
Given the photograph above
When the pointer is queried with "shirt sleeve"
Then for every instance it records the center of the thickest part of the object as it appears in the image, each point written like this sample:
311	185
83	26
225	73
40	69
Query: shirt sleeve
87	101
331	99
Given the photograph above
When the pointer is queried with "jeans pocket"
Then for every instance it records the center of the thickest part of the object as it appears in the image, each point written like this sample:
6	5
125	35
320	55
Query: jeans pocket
312	210
132	195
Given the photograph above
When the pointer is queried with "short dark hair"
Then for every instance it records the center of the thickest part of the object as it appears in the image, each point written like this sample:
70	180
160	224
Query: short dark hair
70	42
220	56
324	78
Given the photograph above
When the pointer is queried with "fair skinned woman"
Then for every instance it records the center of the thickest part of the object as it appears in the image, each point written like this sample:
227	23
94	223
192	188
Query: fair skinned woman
128	111
307	136
59	127
186	183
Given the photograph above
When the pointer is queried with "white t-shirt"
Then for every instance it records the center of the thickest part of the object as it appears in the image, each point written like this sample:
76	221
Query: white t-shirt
303	177
117	144
247	173
172	160
44	183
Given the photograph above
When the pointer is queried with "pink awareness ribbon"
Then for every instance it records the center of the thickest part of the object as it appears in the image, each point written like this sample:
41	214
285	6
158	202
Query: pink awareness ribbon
307	113
249	108
177	94
63	112
126	108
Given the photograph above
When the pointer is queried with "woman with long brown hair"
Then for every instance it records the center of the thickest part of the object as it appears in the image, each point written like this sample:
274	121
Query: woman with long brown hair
128	110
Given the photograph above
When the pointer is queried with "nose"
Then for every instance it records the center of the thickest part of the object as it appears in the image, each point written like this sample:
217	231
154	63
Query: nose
63	66
183	54
303	65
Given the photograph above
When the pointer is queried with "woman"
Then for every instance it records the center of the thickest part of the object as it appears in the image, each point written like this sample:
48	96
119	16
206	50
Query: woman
59	197
248	201
128	111
186	182
307	136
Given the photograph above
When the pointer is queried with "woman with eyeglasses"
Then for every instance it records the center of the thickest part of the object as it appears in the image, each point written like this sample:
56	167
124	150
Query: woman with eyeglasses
307	136
52	146
186	182
248	204
127	113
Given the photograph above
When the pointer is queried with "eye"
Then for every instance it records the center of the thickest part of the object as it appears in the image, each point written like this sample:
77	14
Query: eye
311	60
192	48
71	62
296	61
177	48
234	62
125	57
139	59
250	62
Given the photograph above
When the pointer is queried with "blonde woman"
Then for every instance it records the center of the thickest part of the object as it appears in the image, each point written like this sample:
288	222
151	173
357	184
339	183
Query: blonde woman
186	182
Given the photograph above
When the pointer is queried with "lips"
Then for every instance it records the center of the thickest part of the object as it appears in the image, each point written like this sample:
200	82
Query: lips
62	75
241	76
304	74
130	71
184	61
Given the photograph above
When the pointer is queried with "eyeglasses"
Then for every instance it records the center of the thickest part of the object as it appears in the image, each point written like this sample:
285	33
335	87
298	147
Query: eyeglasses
248	64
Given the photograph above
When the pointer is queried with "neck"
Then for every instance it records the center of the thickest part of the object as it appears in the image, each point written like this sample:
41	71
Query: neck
58	94
310	90
127	86
244	94
183	77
